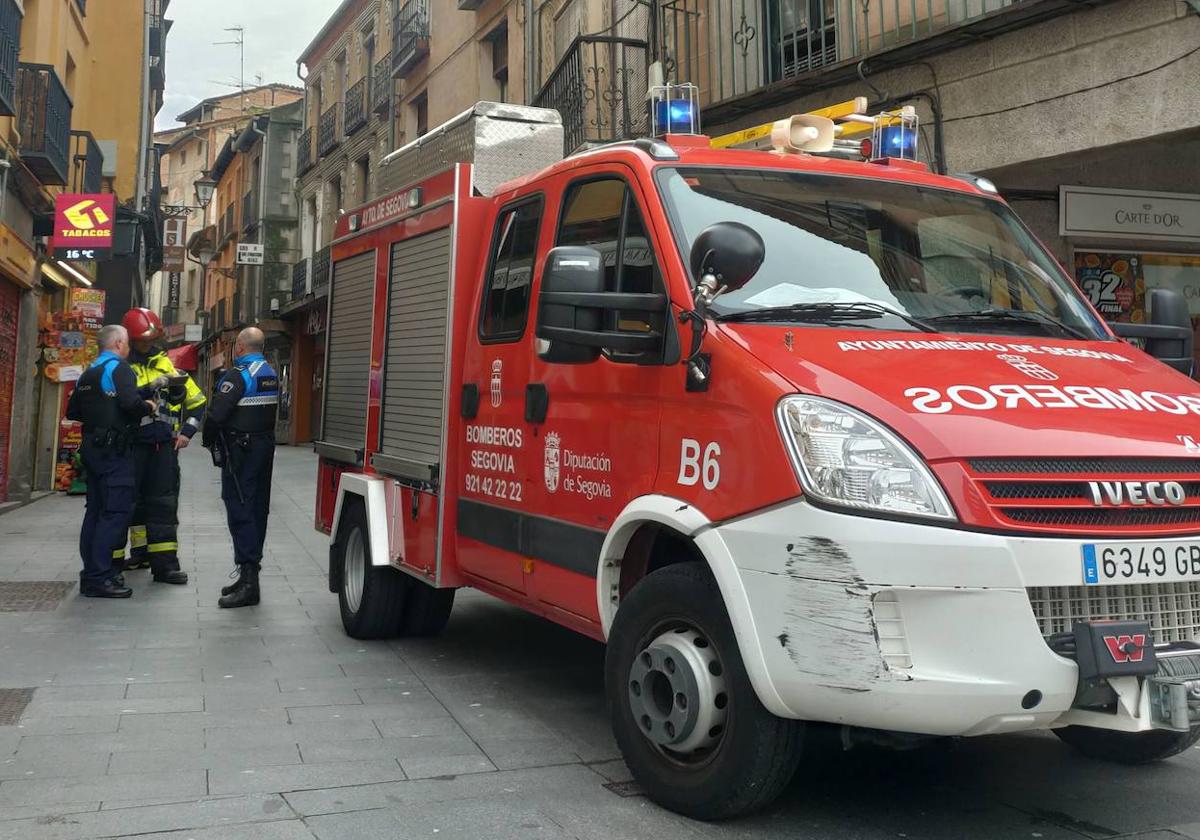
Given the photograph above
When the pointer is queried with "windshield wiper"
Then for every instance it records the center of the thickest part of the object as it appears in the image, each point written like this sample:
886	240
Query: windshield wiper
1014	315
826	310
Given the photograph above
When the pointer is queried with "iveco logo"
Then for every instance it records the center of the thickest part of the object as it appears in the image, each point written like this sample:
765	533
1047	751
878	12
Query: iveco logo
1137	492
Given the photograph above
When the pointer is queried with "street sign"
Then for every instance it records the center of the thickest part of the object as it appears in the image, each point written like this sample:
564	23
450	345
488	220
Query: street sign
83	226
173	283
249	254
174	244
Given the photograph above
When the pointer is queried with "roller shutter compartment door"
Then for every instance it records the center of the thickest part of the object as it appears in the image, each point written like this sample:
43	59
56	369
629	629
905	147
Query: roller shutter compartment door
348	354
10	307
415	365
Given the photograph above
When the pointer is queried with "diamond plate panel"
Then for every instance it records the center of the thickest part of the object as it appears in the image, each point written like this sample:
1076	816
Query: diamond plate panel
33	595
12	704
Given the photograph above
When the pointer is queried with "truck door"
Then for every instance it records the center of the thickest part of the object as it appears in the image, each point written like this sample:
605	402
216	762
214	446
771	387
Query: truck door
597	446
498	449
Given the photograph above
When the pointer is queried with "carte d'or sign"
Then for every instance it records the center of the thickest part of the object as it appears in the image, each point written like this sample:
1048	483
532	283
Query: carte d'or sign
83	226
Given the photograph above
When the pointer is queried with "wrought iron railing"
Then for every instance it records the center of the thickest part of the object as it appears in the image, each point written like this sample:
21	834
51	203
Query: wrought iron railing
10	48
356	106
300	278
44	119
327	131
381	85
87	163
410	36
729	48
304	152
320	271
599	88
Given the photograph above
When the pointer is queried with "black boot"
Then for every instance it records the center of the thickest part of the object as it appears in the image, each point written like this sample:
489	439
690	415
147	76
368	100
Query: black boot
107	589
245	593
238	574
174	576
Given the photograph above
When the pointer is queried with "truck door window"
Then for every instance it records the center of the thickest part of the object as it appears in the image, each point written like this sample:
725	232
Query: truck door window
603	214
510	272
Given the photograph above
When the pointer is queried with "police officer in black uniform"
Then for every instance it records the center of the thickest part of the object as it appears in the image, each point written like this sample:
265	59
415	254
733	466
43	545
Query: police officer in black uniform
240	432
106	401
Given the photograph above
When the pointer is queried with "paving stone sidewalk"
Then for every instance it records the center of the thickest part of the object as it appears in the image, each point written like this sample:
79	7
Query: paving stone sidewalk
163	716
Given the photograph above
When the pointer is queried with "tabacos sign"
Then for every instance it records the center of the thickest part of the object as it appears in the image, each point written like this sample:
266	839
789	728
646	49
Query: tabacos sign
83	226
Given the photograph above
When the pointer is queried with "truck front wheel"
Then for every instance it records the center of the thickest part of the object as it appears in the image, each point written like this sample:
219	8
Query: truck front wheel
372	598
685	716
1128	747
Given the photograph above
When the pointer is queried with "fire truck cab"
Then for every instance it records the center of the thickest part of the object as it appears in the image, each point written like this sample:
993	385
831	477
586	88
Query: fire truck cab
802	438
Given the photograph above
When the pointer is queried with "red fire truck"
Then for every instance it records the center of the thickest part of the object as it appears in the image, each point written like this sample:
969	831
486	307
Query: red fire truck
802	437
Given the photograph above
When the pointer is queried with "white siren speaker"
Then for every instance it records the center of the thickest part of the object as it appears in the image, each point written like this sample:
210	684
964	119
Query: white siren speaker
803	133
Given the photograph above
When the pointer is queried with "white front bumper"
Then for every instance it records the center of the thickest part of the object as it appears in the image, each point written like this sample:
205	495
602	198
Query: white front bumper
897	626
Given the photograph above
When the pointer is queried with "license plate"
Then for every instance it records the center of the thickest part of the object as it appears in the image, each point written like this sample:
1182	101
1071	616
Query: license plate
1140	562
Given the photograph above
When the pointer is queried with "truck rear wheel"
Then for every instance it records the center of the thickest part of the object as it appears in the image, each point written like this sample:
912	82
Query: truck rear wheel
1128	747
372	598
685	716
427	610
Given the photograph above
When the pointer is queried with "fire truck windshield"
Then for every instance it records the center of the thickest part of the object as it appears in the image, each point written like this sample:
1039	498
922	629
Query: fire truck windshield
910	257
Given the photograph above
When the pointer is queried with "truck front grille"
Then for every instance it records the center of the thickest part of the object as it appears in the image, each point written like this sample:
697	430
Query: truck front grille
1173	609
1053	495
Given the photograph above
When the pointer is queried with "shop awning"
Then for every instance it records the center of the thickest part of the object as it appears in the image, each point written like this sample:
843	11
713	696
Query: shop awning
183	357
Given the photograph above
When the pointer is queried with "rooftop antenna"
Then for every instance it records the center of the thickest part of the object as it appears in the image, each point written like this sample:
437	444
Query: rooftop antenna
240	43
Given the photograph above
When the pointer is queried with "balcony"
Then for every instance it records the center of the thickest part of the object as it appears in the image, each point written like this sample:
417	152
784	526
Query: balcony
327	132
304	152
599	88
44	120
410	36
381	86
320	271
10	47
731	48
300	279
356	106
87	162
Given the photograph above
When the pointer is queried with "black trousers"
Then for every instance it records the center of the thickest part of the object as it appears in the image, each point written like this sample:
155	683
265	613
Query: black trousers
110	489
154	528
246	492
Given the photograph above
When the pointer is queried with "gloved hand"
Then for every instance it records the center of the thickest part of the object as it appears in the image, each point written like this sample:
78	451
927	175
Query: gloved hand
160	383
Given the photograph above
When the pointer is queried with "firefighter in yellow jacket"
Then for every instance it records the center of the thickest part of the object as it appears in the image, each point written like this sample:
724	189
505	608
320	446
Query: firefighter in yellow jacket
153	533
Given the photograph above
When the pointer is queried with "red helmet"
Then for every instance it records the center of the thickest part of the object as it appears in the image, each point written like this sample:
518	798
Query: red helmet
142	325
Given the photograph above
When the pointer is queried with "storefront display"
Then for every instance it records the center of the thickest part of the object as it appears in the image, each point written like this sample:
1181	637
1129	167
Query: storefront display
68	344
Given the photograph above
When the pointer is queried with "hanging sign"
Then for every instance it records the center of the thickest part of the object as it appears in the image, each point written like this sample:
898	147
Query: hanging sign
173	283
83	226
174	239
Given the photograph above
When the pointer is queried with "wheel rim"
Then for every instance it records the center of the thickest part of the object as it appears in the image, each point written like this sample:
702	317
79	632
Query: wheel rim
354	571
677	693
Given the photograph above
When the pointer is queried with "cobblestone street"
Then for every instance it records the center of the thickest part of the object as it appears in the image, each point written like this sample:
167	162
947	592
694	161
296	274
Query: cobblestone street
165	716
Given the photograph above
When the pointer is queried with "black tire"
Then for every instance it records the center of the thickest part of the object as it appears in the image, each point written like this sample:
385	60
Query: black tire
378	610
1128	747
758	752
427	610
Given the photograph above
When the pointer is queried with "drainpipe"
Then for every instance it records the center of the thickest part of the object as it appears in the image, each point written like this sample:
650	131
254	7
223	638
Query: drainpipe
140	192
530	55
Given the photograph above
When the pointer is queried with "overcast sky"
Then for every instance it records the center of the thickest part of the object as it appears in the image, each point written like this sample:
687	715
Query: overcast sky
276	32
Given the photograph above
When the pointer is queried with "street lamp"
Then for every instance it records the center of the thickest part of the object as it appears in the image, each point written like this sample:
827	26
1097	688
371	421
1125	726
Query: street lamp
205	187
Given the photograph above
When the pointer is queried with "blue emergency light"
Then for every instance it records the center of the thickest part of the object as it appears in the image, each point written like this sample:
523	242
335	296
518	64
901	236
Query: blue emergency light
674	110
675	115
898	142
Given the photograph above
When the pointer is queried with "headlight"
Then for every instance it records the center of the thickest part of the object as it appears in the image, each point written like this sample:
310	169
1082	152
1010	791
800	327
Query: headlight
845	458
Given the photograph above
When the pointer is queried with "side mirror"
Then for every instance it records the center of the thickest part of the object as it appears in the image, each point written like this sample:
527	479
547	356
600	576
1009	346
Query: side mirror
572	310
730	252
1168	335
